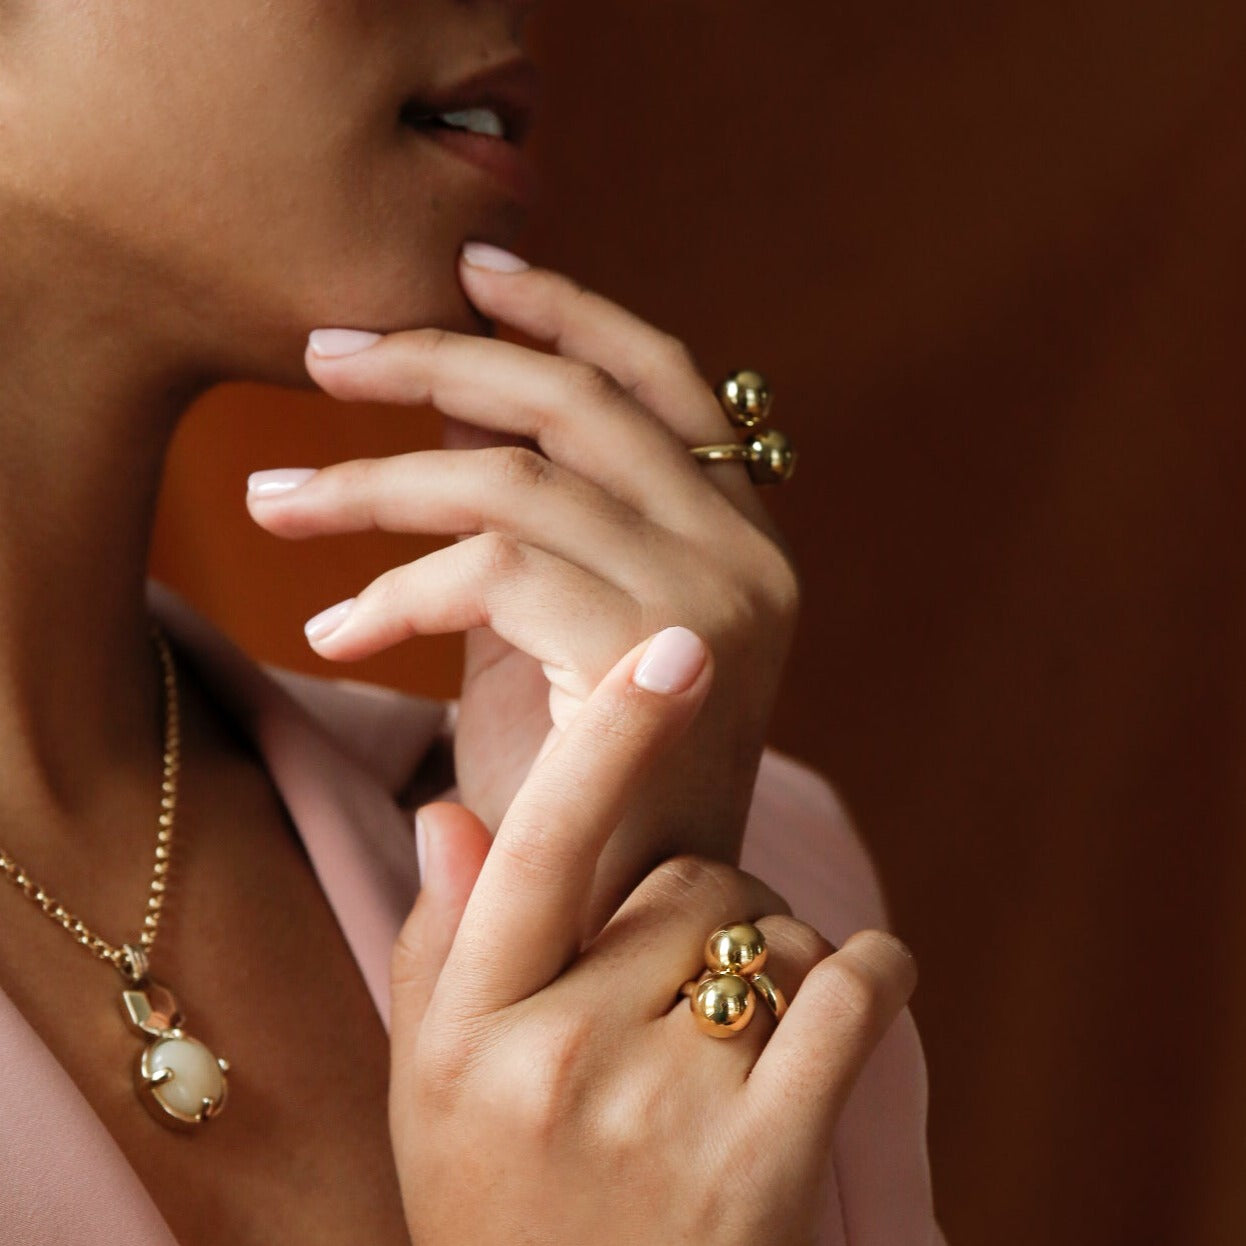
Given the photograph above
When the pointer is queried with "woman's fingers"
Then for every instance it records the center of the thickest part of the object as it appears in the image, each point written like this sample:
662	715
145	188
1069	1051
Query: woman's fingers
580	324
506	489
452	844
837	1017
524	922
563	616
578	413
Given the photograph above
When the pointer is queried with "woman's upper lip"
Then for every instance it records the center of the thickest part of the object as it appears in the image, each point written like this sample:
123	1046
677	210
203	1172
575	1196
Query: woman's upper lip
511	88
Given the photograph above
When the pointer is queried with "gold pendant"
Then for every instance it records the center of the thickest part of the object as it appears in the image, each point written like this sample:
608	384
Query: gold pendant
179	1080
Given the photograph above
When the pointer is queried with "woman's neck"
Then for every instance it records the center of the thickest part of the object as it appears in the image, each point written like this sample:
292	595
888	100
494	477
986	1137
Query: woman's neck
86	415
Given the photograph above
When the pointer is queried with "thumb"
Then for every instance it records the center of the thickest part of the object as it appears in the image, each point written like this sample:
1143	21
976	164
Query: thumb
452	843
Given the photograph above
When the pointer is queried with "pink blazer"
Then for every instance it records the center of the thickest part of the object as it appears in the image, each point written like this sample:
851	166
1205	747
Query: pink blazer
339	751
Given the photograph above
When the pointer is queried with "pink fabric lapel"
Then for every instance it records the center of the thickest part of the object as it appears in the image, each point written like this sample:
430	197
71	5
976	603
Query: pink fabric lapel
63	1180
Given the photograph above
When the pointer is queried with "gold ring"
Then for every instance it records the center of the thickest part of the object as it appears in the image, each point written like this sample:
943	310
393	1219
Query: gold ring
724	999
765	986
768	454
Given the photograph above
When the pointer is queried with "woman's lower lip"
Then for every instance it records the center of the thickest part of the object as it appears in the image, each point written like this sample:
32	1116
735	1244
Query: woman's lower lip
506	162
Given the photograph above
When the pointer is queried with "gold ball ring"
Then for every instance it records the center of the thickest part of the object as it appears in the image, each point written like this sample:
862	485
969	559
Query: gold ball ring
723	999
767	454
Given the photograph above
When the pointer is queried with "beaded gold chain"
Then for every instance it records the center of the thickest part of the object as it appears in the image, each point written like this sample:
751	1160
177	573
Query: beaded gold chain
179	1080
129	960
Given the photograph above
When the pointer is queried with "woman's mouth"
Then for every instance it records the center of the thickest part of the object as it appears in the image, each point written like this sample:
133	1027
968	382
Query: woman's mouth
483	121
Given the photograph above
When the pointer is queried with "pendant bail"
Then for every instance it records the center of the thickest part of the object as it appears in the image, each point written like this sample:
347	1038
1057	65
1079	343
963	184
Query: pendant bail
134	963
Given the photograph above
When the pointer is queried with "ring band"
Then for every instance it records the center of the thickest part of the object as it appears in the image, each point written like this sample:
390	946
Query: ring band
729	452
765	986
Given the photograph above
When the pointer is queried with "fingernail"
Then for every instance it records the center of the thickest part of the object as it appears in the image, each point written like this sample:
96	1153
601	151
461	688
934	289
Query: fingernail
335	343
324	624
421	844
279	480
486	255
671	663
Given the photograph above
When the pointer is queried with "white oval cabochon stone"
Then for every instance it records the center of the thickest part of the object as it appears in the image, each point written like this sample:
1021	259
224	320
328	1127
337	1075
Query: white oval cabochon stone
196	1075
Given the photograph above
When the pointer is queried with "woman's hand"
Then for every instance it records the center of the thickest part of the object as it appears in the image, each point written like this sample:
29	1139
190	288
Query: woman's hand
545	1093
572	554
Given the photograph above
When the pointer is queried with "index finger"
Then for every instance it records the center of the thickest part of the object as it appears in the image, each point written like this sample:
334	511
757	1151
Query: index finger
524	922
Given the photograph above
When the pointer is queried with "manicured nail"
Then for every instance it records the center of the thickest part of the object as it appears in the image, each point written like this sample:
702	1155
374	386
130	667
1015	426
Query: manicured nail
421	845
279	480
485	255
671	663
324	624
335	343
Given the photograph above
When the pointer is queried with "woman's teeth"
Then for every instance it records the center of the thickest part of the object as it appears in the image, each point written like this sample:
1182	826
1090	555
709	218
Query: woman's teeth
474	120
477	120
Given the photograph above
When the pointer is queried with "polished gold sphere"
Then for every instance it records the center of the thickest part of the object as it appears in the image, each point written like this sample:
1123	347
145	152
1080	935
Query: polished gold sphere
737	948
774	457
745	396
723	1004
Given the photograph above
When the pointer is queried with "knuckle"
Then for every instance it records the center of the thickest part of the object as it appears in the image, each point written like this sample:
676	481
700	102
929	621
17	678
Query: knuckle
740	616
848	992
499	552
674	353
593	385
797	939
688	880
350	477
549	1092
385	596
577	294
782	585
774	586
433	341
533	852
519	466
445	1066
891	958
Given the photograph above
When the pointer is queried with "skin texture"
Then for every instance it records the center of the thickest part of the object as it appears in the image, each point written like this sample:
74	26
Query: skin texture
186	192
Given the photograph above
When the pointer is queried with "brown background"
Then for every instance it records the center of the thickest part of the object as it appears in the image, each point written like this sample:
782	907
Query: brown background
992	256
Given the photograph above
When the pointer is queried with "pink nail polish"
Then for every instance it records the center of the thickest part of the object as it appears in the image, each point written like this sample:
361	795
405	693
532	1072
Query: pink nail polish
324	624
486	255
671	663
279	480
337	343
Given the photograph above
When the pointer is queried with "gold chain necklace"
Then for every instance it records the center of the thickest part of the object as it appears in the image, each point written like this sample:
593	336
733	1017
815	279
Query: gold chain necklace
178	1078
